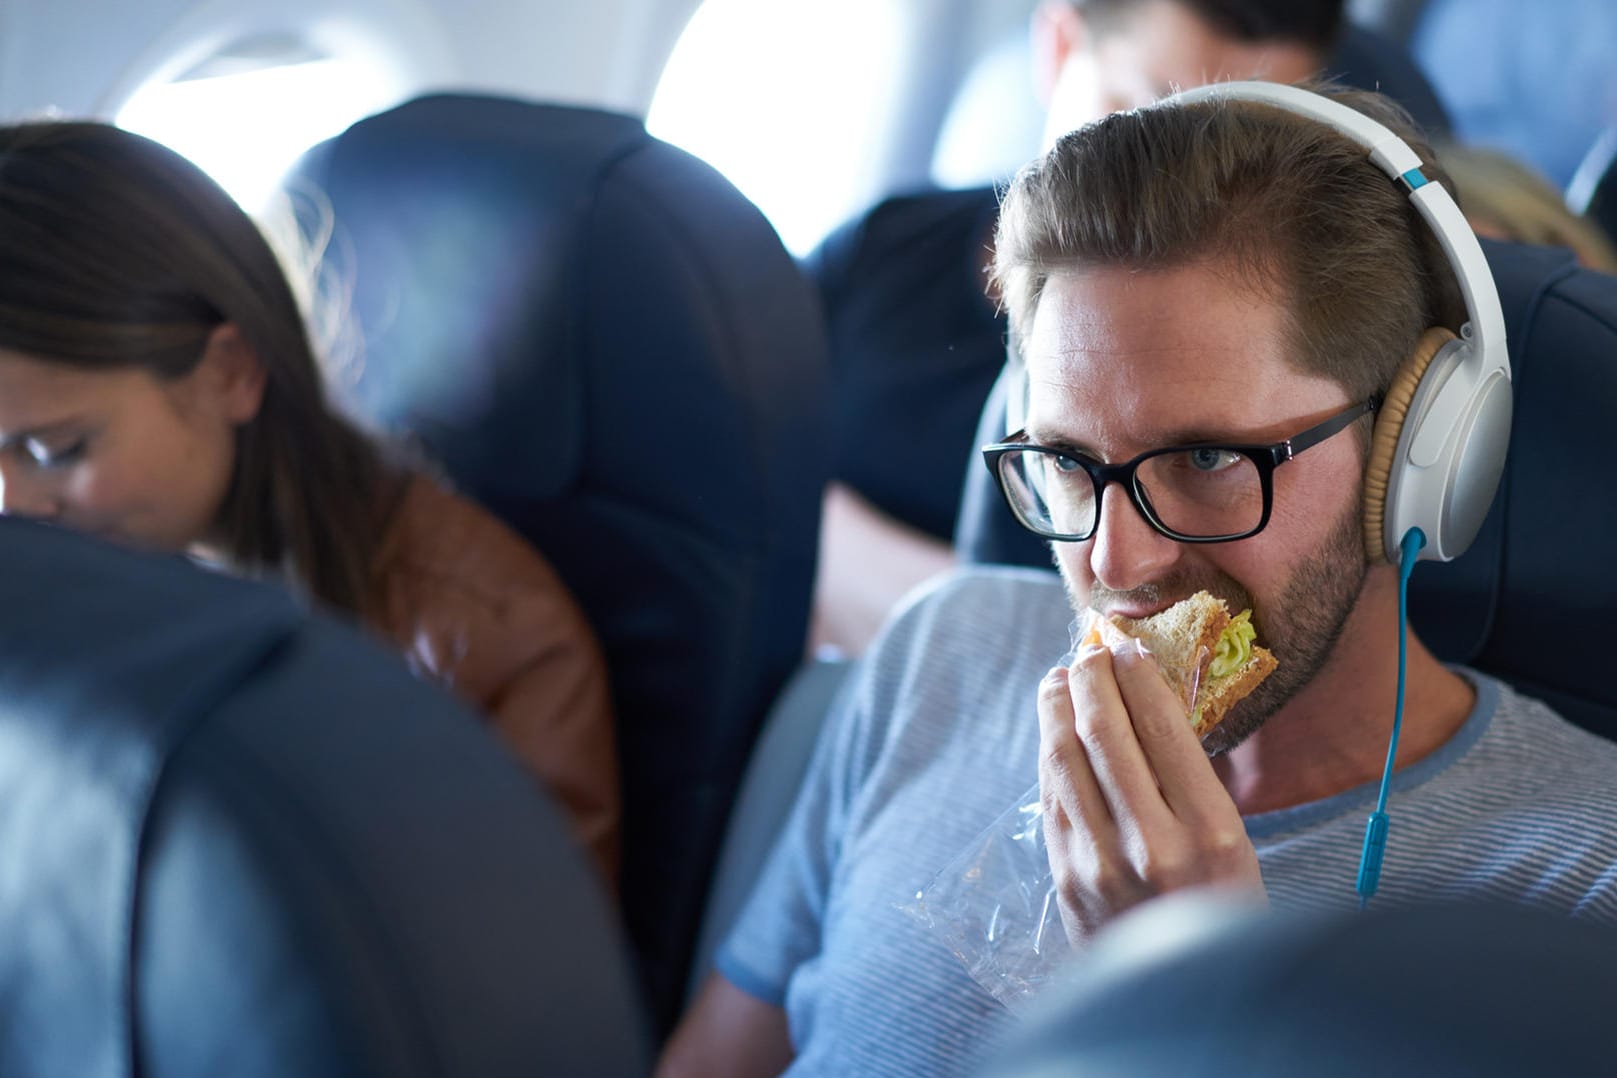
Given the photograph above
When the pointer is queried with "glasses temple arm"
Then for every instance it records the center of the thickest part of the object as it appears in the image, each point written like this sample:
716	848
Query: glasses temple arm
1314	435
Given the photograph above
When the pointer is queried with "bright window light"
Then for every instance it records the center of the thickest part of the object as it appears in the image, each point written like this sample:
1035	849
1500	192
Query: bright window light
246	129
995	124
786	99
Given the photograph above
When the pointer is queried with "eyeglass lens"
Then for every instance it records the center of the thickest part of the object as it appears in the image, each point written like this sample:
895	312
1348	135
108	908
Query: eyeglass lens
1200	493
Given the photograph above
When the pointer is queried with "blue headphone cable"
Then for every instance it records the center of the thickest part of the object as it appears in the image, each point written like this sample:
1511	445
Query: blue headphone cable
1375	830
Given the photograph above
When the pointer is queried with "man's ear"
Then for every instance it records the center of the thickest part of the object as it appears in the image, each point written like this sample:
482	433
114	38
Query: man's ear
1058	31
231	374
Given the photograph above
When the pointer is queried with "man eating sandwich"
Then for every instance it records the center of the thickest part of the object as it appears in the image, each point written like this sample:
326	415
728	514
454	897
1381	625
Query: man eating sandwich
1213	301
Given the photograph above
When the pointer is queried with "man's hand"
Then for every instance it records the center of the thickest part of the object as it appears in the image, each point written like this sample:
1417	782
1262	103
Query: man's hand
1132	808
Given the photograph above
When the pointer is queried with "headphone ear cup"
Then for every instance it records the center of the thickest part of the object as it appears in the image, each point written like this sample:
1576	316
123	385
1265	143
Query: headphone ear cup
1384	440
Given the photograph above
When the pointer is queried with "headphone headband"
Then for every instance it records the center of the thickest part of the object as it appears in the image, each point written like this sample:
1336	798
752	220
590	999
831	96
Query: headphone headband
1444	442
1485	319
1485	326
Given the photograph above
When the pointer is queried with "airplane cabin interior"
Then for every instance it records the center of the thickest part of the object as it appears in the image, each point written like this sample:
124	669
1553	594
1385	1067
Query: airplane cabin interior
597	269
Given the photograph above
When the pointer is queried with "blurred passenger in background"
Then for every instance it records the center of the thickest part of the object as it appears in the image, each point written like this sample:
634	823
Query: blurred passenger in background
916	338
158	388
1506	200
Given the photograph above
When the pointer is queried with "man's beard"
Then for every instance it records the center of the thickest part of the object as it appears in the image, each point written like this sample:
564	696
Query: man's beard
1301	628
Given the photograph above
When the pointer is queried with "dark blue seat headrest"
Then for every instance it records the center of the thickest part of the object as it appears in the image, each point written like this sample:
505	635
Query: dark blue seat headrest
605	343
238	840
1480	991
1532	599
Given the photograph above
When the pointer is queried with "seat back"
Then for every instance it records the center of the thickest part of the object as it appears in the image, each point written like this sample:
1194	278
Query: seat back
768	792
235	839
1443	989
1535	591
602	341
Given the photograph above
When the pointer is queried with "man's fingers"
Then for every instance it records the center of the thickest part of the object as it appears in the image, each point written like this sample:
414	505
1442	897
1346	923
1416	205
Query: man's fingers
1111	829
1065	777
1167	738
1106	730
1080	835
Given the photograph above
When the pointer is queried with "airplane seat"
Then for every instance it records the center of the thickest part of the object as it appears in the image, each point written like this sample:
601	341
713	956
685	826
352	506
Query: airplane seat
604	342
236	838
1536	589
768	791
1185	988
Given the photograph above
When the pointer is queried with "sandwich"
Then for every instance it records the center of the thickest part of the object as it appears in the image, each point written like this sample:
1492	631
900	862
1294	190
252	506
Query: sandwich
1211	656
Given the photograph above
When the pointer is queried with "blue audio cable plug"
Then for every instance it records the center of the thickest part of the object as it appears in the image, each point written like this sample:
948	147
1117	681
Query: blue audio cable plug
1375	829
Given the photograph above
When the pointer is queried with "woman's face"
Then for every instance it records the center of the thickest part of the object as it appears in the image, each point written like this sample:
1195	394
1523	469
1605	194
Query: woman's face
121	453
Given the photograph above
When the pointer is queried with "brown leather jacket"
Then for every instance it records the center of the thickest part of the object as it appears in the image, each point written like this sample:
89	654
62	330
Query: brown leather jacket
473	606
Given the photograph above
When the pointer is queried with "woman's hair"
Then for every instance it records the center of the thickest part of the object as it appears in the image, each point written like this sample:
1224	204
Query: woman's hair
1294	208
116	252
1505	199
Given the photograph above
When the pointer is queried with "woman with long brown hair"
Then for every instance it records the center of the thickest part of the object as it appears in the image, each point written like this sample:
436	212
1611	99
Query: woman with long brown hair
158	387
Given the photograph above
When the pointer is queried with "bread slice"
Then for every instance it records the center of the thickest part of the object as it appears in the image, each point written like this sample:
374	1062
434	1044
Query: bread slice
1183	637
1184	640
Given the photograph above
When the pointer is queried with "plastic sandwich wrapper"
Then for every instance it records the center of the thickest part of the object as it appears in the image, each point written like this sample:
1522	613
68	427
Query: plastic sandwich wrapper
994	905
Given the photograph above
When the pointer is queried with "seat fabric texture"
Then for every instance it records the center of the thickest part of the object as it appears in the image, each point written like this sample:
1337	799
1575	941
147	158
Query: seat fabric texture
239	839
600	339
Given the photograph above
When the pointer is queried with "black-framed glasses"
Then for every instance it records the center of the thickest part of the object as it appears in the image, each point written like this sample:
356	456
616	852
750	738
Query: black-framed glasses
1203	493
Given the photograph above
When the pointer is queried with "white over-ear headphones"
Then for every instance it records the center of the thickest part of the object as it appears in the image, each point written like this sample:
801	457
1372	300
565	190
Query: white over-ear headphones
1439	444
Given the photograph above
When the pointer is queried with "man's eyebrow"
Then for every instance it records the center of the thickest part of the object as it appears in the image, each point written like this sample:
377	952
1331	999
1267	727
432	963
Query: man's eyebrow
1204	436
1052	440
1168	439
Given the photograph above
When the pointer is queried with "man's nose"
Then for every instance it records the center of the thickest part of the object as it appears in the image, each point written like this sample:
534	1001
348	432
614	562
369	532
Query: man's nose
1126	551
22	495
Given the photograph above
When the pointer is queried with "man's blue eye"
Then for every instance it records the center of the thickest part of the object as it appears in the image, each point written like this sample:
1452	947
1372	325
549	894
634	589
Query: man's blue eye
1212	460
1066	465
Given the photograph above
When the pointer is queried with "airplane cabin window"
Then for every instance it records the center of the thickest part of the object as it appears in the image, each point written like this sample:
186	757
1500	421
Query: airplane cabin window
790	101
245	115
